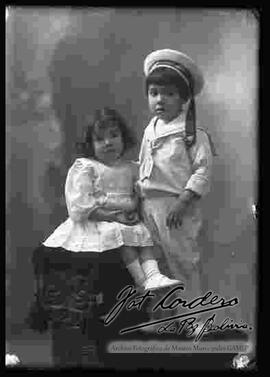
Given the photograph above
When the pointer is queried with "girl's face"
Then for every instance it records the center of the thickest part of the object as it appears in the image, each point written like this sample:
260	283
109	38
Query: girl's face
108	143
165	101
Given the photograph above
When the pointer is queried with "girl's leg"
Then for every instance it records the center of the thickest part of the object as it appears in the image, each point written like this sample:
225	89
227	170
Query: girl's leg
144	268
131	260
154	279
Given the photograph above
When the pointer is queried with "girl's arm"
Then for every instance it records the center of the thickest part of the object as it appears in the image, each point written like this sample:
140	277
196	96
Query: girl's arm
118	215
82	197
84	200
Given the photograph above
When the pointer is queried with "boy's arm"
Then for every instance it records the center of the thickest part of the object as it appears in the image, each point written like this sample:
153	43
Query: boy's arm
142	148
202	159
199	182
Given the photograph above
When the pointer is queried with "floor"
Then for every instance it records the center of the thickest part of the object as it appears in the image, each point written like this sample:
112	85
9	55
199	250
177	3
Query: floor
35	352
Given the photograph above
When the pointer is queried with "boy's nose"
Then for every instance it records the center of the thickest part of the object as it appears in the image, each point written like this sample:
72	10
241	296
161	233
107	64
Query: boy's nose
160	98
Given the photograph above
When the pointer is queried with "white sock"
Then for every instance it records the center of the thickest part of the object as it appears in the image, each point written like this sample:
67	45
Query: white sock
150	268
136	271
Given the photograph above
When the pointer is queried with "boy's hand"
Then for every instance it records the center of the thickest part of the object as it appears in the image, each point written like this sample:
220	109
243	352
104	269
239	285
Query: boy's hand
176	214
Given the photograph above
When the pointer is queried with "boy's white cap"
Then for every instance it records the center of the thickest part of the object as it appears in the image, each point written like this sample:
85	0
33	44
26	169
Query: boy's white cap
177	61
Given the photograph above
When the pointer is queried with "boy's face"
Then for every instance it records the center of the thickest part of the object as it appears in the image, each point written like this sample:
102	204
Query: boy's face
165	101
108	142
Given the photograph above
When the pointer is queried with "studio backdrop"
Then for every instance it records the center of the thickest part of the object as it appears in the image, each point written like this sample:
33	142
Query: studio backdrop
63	63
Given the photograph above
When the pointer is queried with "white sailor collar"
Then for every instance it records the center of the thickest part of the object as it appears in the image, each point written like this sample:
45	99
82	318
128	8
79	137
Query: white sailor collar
177	125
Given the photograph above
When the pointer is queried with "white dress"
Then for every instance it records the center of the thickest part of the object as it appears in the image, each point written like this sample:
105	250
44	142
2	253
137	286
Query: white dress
91	185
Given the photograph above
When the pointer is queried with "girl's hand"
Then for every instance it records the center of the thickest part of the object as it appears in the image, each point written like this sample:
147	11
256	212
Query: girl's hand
113	215
128	218
103	214
178	211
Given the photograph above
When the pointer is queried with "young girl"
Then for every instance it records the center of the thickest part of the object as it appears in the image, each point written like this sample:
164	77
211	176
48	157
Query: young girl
175	164
102	203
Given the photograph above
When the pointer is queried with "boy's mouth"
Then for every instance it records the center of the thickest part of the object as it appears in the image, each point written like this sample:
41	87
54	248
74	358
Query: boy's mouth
160	110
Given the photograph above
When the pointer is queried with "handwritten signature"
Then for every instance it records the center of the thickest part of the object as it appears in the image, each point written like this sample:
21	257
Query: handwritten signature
192	327
202	304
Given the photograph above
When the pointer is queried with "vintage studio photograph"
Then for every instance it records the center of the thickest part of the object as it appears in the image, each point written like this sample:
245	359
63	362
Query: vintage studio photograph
131	188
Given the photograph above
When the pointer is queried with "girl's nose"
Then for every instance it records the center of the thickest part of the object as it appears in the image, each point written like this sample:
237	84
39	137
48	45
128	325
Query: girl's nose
107	141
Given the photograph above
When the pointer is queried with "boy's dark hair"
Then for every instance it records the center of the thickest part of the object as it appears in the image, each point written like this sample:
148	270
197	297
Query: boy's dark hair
102	118
167	76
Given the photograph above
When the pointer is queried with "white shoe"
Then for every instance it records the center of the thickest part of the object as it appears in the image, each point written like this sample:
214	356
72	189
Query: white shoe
159	281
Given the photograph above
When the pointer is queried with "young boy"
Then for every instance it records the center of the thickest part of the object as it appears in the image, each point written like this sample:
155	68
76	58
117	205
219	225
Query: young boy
175	164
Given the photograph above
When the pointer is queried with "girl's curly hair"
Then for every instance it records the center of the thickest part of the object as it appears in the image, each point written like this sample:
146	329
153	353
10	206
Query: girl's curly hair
104	117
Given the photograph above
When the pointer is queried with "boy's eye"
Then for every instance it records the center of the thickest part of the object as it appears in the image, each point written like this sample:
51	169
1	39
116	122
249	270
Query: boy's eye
153	92
171	93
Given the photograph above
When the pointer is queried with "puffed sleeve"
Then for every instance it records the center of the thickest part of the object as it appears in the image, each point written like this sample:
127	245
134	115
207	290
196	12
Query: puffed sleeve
202	160
81	191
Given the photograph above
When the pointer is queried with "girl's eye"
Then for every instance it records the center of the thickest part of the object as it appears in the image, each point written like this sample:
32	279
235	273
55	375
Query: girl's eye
99	138
114	133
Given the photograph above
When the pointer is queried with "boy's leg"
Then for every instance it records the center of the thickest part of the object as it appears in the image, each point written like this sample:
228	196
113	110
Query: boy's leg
179	256
178	247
